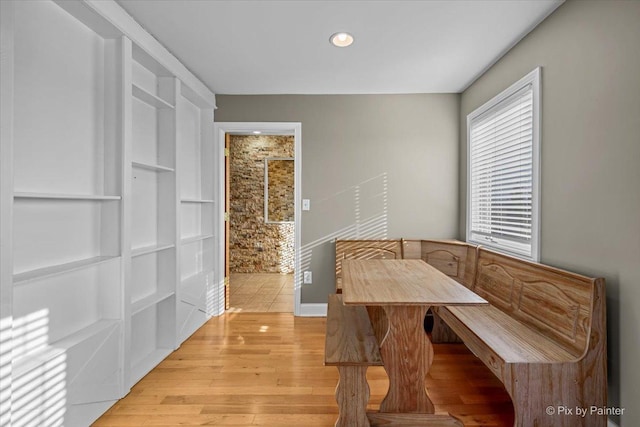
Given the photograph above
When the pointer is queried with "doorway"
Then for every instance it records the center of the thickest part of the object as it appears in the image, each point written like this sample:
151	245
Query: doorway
259	179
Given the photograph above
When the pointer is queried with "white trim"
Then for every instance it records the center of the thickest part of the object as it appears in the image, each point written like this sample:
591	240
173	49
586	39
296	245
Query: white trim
532	78
6	208
611	423
313	310
283	128
125	131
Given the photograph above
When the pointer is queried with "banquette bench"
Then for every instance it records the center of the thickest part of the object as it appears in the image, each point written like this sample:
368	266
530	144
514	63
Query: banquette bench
543	333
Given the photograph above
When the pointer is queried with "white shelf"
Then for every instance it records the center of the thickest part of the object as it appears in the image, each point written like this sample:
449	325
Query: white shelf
149	98
193	239
150	361
61	196
196	201
149	301
152	167
144	250
39	273
32	360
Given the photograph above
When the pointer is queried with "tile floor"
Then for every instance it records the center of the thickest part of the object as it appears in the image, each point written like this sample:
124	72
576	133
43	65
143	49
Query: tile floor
264	292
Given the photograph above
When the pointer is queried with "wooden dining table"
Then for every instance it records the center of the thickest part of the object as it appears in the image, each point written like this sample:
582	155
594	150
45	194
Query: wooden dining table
397	294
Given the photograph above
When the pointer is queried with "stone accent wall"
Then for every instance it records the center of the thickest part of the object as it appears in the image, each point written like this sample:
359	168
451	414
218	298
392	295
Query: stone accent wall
255	246
281	191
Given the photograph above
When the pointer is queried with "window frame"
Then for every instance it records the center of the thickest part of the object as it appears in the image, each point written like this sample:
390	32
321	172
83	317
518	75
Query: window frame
533	78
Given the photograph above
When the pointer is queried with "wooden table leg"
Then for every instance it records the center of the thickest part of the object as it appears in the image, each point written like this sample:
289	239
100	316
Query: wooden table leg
352	395
407	354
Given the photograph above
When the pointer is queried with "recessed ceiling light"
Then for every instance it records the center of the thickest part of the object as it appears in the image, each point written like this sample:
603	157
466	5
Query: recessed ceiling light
257	132
341	39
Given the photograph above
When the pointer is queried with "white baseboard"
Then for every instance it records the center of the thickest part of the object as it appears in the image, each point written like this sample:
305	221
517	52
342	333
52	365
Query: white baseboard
313	310
611	423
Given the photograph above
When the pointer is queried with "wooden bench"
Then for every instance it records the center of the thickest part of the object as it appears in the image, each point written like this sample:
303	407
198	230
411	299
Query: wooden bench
543	335
364	249
352	347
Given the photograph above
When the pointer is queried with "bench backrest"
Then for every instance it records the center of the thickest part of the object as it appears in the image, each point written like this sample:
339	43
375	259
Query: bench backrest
365	249
555	302
455	259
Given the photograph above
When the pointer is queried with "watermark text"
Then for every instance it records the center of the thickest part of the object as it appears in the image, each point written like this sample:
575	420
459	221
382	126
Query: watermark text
579	411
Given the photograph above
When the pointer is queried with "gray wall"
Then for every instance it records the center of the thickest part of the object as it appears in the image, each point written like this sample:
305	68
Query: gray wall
374	166
590	161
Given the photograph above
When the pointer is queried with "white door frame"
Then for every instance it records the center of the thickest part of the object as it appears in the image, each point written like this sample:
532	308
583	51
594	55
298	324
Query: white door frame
275	128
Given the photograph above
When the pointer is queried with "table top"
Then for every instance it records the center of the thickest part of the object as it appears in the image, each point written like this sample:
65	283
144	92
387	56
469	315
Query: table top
401	282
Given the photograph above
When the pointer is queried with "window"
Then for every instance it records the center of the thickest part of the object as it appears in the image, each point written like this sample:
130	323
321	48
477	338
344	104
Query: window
503	179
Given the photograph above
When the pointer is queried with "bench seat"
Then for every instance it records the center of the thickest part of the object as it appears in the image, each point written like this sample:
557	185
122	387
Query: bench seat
351	346
350	340
509	339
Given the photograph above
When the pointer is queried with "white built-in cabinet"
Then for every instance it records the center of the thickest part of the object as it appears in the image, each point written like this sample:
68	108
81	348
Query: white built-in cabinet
153	226
197	295
107	209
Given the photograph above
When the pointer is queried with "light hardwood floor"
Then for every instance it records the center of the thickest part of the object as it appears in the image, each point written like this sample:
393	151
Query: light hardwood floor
266	369
262	292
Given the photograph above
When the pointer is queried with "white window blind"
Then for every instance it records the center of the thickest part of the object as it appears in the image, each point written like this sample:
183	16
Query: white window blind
502	179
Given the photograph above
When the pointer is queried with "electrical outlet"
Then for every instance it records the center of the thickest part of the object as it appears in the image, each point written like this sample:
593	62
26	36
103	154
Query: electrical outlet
307	278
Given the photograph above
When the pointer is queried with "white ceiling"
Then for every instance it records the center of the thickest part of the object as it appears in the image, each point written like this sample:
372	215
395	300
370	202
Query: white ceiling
282	47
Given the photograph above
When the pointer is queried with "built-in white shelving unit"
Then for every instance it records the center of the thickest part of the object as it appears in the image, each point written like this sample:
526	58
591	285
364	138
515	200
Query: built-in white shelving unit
196	177
154	221
67	176
107	208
